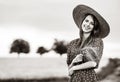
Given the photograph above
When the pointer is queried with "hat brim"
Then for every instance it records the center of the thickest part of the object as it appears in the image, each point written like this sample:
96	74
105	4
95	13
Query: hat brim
79	14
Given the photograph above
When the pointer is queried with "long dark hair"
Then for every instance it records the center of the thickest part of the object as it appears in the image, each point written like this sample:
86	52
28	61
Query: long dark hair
96	30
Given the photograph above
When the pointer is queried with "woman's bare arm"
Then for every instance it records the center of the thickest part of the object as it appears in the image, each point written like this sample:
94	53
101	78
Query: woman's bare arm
78	58
85	65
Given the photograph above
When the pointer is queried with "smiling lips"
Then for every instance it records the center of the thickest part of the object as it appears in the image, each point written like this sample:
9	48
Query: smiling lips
87	27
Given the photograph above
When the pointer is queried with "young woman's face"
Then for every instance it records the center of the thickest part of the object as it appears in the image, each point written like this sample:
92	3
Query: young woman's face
88	24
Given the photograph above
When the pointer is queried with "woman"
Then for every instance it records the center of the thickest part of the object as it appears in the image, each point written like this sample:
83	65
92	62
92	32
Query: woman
85	52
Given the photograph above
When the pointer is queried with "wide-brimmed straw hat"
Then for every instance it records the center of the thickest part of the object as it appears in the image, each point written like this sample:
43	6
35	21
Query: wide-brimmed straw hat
79	14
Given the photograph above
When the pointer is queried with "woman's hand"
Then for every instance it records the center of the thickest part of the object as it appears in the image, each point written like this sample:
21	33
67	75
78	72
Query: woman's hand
78	58
71	71
71	65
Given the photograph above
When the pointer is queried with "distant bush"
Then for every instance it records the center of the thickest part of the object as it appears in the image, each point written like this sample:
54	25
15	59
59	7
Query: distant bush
59	47
42	50
20	46
110	68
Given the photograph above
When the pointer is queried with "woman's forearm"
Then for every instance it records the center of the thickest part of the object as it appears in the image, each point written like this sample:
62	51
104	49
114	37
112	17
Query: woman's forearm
78	58
85	65
71	65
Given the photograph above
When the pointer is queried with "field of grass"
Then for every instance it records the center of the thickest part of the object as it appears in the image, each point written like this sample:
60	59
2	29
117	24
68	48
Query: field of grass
32	68
41	69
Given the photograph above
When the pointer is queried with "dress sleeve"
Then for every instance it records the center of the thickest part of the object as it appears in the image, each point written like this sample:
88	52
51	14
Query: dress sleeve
69	53
93	52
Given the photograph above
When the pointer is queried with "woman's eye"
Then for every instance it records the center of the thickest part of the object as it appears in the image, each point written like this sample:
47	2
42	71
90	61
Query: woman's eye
86	20
92	23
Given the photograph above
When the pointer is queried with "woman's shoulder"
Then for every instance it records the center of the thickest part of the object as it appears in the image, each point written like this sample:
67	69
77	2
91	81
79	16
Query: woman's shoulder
98	41
73	42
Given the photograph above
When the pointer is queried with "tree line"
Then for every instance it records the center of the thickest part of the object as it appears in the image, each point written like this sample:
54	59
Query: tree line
22	46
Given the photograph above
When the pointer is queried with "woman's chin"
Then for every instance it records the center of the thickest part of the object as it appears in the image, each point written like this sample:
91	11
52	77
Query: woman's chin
87	32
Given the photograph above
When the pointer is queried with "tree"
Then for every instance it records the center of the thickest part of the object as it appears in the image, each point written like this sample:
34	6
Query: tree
59	47
20	46
42	50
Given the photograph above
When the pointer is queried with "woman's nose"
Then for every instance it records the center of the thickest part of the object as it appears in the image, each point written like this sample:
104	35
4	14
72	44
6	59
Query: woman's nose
88	24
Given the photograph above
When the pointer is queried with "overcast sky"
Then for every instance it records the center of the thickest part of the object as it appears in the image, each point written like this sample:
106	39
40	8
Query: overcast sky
56	15
53	17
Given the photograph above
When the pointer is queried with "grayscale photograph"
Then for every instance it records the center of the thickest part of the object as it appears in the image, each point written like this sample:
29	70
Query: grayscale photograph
59	41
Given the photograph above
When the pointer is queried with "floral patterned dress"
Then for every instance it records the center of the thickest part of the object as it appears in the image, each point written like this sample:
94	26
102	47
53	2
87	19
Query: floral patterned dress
92	51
